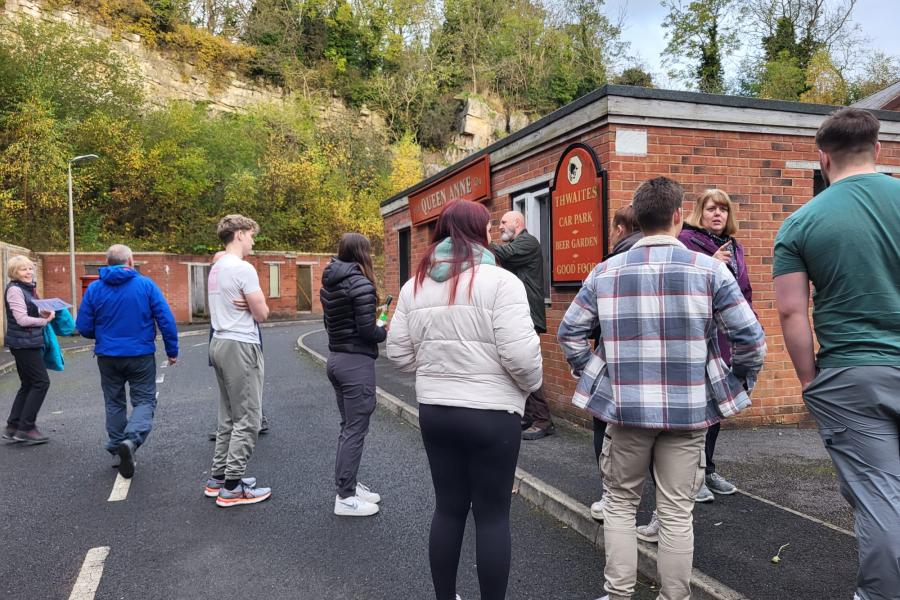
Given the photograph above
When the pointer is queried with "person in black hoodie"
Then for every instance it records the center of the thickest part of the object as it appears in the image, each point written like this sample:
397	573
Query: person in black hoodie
349	301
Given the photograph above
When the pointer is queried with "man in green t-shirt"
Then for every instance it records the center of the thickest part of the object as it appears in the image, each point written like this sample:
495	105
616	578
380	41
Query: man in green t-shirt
846	241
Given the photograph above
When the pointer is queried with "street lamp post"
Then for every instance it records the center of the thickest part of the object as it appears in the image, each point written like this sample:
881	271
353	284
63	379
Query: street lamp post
86	158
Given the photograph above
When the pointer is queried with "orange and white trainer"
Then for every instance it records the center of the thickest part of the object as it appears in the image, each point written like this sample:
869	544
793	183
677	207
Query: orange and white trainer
242	494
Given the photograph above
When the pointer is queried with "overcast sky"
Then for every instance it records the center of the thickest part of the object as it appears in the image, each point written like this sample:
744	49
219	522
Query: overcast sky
643	28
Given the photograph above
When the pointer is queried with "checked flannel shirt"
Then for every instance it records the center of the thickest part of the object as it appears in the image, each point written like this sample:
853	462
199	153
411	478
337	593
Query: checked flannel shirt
657	364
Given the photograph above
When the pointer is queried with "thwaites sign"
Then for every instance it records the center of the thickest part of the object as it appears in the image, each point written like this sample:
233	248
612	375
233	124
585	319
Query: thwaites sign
578	215
472	182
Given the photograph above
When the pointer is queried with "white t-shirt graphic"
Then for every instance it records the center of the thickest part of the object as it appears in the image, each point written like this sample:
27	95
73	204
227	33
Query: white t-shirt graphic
231	279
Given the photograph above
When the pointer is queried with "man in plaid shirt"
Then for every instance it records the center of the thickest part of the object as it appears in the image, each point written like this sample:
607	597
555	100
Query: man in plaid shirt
658	379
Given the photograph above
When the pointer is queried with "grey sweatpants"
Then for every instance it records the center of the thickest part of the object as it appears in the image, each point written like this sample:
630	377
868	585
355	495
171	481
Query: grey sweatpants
353	378
858	412
239	370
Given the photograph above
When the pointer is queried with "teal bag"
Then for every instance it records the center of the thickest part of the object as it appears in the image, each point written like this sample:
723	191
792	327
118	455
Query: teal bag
63	323
53	358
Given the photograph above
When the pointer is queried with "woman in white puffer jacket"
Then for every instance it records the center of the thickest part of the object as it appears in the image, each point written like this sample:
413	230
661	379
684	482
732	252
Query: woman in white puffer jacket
463	325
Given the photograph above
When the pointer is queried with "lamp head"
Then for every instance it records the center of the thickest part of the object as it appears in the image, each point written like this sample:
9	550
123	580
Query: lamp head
85	158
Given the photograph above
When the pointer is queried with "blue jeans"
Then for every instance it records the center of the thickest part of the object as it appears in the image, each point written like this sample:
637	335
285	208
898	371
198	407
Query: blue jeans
139	372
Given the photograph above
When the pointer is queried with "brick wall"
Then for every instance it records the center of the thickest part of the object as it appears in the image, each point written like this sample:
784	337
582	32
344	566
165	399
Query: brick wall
171	273
751	167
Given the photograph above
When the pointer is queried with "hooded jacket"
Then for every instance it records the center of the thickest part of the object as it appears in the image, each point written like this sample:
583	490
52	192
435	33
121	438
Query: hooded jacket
348	300
479	352
699	240
122	310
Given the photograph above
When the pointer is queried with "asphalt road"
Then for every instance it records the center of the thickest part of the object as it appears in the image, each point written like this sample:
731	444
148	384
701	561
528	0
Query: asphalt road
168	541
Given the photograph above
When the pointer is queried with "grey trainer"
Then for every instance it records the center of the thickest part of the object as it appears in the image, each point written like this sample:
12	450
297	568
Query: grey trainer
242	494
704	495
719	485
214	484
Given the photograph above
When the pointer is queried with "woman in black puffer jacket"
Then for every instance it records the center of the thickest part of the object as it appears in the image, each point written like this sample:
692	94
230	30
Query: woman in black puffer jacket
349	301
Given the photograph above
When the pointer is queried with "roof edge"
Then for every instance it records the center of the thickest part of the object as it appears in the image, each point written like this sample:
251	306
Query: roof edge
629	91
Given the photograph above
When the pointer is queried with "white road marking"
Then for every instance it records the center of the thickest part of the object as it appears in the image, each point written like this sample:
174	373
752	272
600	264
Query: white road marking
798	513
200	344
56	412
157	395
90	574
161	378
164	364
120	489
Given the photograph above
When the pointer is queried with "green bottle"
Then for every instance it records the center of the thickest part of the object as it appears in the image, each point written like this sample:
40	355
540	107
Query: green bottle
382	318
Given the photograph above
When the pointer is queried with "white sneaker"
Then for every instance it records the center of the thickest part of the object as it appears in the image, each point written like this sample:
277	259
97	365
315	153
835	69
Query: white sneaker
354	507
603	598
650	531
597	509
364	493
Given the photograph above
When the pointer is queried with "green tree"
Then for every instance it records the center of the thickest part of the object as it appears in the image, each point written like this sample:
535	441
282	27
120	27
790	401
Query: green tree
72	73
699	34
792	33
33	176
878	72
824	82
634	76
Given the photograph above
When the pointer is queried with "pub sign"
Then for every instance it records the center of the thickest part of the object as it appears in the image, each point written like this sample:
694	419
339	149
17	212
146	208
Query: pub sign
578	215
472	182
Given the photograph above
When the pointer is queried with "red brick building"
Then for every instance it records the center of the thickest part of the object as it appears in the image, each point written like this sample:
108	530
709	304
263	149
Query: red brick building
761	152
290	281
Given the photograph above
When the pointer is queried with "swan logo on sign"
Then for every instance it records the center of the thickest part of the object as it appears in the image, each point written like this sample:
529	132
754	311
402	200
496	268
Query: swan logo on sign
574	170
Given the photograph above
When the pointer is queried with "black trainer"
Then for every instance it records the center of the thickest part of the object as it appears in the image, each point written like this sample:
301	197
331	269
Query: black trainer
126	459
30	438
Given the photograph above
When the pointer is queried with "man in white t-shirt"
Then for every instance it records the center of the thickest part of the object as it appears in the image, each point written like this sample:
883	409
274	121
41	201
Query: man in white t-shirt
236	306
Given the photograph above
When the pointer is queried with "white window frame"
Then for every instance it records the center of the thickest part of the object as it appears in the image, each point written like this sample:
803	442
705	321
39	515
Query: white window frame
528	204
274	280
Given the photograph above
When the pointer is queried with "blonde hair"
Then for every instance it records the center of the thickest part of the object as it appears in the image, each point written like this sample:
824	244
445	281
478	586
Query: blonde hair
230	224
720	198
15	263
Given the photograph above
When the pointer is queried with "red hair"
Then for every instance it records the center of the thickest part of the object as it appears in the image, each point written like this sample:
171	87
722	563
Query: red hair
465	223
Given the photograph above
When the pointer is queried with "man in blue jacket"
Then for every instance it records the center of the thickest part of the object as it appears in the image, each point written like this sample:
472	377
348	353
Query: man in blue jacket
121	312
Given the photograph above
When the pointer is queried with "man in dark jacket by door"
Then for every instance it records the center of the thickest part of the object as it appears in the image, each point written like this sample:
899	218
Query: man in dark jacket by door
521	255
121	312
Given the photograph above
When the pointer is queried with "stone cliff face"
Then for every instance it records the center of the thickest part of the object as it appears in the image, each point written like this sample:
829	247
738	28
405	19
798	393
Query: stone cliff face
478	122
478	125
164	79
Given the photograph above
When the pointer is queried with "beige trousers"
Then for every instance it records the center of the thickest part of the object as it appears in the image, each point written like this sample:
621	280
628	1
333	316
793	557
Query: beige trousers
679	464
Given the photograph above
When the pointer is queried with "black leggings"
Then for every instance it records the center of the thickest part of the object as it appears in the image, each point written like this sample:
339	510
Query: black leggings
472	454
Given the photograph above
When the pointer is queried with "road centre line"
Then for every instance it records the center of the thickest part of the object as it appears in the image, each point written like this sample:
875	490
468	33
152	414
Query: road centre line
120	489
200	344
90	574
161	378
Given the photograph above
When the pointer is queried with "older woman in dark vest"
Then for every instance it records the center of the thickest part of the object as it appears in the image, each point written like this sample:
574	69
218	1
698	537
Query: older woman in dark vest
25	340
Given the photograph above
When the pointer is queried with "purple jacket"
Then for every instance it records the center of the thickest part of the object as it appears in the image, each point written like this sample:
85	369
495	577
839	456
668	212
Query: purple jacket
699	240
